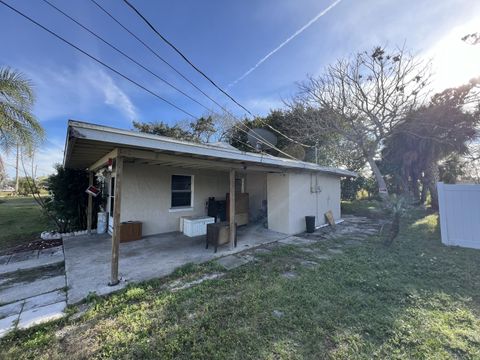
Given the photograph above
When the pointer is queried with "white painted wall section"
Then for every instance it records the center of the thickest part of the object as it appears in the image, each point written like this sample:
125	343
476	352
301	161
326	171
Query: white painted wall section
278	202
459	214
292	196
256	187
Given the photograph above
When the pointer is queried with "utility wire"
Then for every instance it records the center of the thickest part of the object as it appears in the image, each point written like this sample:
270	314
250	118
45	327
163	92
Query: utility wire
130	58
182	75
184	57
204	75
101	62
256	136
153	51
95	59
124	54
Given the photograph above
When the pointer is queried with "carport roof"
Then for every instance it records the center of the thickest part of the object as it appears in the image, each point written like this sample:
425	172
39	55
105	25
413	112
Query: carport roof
86	143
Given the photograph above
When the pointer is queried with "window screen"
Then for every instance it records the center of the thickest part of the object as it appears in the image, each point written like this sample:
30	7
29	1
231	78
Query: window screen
181	190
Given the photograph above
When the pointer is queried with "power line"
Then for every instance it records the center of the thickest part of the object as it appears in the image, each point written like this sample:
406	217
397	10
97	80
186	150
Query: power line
154	52
95	59
256	136
124	54
204	75
184	57
172	67
92	57
207	77
130	58
104	64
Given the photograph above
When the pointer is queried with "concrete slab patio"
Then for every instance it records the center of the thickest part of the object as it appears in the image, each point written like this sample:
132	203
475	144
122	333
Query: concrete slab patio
30	259
88	258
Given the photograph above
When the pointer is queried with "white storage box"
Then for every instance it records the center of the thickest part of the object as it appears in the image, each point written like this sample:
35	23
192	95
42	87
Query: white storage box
195	225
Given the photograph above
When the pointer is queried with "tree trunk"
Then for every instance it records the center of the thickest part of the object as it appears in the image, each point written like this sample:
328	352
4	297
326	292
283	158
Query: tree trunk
423	195
17	179
382	186
433	176
415	189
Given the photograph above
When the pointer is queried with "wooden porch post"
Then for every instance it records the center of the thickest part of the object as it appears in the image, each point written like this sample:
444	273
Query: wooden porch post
114	280
232	208
90	205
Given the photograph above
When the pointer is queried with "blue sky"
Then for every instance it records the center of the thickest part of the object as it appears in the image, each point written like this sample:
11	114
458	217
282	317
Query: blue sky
225	39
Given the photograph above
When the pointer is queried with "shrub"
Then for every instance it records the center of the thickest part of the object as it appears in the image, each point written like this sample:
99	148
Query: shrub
68	199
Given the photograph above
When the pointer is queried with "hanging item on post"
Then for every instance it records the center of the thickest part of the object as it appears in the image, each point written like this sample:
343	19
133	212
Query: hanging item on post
92	190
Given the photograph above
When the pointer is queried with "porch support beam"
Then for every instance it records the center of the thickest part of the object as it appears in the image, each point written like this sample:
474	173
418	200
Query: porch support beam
186	161
232	208
114	280
103	160
89	205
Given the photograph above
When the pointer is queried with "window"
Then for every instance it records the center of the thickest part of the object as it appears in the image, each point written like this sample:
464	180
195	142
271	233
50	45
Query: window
181	191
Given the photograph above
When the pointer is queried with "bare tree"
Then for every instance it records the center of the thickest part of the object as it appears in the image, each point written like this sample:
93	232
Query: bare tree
364	98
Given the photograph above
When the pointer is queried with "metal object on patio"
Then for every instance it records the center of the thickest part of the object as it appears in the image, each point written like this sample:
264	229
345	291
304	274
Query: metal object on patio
310	223
219	234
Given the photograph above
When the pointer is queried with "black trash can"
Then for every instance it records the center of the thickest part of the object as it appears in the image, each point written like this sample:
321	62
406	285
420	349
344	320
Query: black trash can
310	222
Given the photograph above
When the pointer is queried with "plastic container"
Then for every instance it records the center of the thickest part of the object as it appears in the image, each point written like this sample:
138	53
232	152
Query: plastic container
102	222
310	223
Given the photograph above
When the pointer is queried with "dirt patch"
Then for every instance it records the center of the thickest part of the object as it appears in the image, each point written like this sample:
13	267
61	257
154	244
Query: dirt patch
38	244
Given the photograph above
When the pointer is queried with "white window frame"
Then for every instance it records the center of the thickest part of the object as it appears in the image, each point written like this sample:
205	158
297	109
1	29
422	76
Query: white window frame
192	191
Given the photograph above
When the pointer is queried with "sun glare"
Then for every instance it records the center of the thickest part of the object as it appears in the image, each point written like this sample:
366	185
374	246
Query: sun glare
454	60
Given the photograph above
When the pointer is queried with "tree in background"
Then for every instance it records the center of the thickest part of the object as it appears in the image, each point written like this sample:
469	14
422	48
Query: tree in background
432	134
325	149
201	130
18	127
363	99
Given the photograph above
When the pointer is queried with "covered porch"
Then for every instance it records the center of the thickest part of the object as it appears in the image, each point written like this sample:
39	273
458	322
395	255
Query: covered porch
143	192
88	258
159	181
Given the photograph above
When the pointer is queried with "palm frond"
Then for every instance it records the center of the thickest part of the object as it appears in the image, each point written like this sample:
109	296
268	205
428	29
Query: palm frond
17	123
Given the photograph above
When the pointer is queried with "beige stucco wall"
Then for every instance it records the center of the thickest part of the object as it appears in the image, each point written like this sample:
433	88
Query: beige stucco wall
290	199
256	187
146	195
278	202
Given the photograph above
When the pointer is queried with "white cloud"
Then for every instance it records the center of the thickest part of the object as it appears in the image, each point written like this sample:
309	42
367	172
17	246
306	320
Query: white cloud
76	92
114	96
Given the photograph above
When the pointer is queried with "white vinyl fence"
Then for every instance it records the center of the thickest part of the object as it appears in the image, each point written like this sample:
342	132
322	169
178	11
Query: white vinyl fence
459	214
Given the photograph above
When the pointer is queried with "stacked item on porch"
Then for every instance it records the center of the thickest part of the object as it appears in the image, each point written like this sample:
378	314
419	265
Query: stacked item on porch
241	208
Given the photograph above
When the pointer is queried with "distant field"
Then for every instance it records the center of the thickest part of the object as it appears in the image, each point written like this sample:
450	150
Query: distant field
21	221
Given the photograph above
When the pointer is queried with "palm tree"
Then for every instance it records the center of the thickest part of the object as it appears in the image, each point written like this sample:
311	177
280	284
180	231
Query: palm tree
18	126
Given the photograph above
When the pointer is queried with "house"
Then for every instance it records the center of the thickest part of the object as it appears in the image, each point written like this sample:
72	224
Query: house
158	180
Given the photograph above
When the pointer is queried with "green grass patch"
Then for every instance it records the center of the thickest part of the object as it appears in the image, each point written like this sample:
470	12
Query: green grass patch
413	299
21	221
367	208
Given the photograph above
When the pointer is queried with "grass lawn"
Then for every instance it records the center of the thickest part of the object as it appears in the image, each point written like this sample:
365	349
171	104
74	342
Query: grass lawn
415	299
21	221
